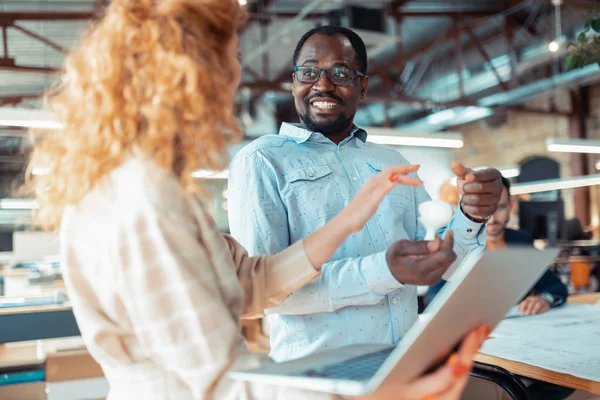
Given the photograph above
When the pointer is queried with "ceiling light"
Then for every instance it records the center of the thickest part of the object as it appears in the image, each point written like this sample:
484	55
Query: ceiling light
573	145
450	117
243	2
27	118
442	116
207	174
554	45
416	142
511	172
40	171
396	137
18	204
555	184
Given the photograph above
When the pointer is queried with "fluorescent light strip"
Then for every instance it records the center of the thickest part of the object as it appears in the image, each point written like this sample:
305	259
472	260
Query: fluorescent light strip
199	174
399	137
416	141
31	124
27	118
510	172
40	171
441	117
555	184
573	145
206	174
18	204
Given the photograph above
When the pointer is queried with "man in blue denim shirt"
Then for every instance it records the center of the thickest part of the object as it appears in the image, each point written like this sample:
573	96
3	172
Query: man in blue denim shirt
283	187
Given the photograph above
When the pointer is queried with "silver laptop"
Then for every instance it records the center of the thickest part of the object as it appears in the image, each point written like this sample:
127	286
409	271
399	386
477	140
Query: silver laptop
480	292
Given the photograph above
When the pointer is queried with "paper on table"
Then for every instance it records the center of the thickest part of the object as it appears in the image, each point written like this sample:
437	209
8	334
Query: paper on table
567	356
514	313
556	322
563	340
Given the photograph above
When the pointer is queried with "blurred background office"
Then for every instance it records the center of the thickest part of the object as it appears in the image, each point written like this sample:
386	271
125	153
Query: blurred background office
508	84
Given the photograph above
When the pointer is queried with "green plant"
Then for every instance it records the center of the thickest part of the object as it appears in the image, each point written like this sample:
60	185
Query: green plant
585	50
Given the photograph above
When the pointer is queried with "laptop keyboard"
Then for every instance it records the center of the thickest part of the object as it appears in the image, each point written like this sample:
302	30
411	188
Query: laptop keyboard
360	368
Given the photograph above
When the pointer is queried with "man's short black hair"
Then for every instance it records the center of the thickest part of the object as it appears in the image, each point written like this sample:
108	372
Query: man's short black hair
506	184
331	30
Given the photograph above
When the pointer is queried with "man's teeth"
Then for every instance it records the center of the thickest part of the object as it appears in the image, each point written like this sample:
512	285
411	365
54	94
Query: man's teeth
324	104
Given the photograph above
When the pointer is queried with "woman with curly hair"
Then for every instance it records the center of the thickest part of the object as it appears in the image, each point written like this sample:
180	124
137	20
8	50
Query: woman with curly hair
146	99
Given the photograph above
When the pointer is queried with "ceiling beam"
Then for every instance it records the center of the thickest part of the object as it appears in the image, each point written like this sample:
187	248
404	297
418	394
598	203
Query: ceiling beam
451	34
441	13
40	38
44	16
16	99
271	16
486	57
517	21
509	33
29	69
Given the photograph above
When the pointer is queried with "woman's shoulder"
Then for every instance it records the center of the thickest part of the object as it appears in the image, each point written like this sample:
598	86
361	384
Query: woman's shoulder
137	186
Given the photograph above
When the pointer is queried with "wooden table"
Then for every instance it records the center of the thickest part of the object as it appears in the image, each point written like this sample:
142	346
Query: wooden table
542	374
572	259
63	359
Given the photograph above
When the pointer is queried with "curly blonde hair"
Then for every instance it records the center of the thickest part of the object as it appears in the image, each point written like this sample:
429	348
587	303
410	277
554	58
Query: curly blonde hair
150	75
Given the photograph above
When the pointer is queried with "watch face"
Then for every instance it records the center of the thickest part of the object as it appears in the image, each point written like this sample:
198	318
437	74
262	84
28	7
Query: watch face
548	297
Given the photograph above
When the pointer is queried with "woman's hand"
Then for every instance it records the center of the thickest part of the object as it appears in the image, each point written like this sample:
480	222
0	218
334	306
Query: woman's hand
322	244
447	382
365	203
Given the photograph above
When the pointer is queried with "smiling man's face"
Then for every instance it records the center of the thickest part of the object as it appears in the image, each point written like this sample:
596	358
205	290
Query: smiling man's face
322	106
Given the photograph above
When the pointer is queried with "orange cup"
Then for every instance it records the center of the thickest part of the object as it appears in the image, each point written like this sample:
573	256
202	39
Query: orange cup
580	274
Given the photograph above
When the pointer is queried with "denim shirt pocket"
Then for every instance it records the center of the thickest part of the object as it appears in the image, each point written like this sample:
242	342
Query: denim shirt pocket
314	192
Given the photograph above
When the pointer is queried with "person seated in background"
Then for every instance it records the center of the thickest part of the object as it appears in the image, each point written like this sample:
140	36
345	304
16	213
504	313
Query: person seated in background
548	292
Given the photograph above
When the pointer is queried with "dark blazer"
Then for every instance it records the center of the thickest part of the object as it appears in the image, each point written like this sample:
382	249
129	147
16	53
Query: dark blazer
548	283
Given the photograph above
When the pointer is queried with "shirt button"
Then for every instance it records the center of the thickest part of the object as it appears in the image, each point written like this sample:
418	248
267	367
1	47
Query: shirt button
310	174
469	230
355	179
394	300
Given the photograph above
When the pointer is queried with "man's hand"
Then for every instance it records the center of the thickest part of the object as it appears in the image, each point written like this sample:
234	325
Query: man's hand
422	262
533	305
480	191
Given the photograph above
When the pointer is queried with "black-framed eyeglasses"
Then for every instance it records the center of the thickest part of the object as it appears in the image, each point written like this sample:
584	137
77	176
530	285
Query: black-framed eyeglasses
339	76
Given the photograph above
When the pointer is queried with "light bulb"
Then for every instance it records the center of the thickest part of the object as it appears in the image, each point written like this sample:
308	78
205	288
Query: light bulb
434	215
554	46
243	2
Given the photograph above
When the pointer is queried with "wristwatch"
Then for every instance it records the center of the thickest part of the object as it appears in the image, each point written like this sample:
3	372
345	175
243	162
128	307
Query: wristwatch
476	220
549	298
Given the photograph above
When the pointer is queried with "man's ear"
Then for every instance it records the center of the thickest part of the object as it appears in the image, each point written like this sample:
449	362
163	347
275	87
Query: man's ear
514	202
364	85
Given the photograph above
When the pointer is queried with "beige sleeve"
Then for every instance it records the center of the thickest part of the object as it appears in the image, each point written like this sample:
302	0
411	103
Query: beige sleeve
268	280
